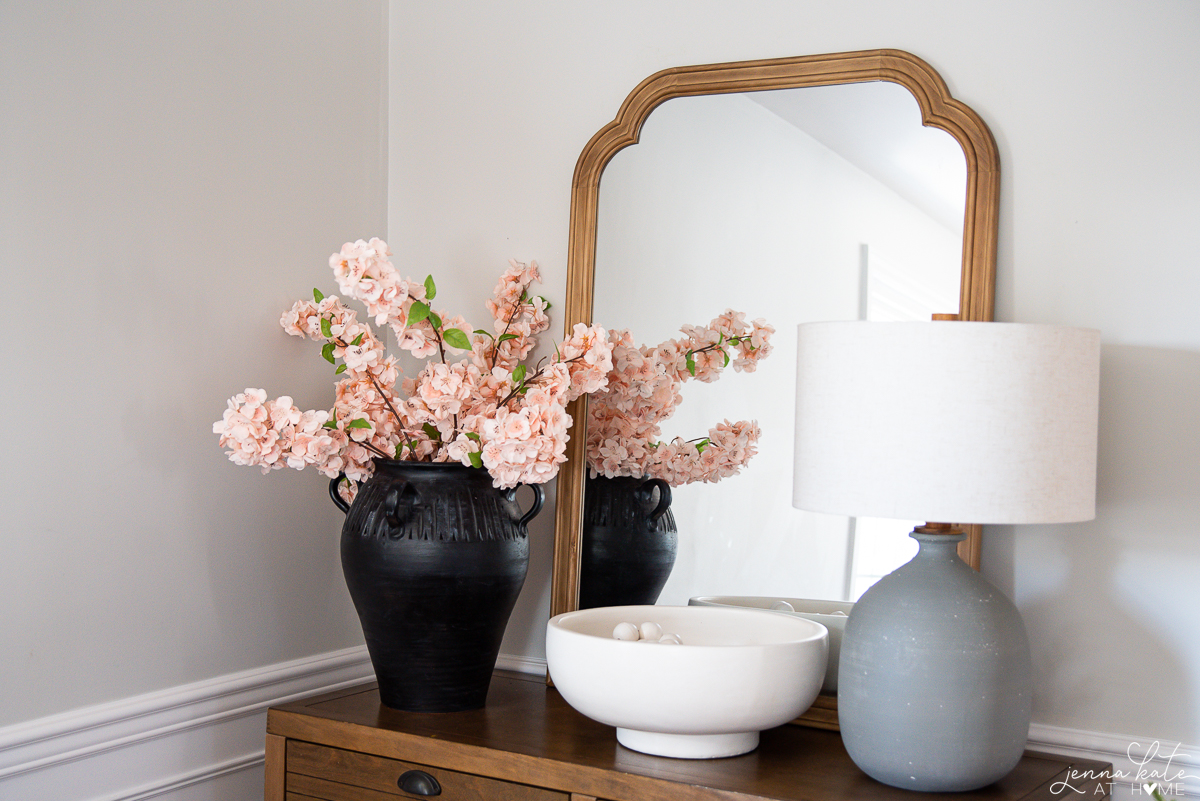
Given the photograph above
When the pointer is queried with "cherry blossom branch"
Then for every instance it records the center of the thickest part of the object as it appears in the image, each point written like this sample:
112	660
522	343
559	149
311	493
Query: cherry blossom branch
522	382
453	409
409	441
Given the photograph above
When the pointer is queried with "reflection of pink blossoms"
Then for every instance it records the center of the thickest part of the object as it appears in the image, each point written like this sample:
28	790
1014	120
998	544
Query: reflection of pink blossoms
487	410
643	390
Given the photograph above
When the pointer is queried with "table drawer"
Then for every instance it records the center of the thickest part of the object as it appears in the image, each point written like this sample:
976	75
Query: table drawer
331	774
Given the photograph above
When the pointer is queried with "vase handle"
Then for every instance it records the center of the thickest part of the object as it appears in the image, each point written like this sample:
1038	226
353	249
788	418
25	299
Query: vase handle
335	495
538	498
398	505
664	497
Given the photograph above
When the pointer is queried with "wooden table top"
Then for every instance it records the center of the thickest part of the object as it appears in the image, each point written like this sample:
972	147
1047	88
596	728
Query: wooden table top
526	733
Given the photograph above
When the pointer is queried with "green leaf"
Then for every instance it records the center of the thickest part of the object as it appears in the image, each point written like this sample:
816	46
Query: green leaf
399	450
341	369
317	296
326	327
358	339
327	353
720	339
476	459
330	424
702	444
435	321
691	363
358	423
506	337
456	339
518	375
725	353
417	312
430	288
485	333
431	431
472	436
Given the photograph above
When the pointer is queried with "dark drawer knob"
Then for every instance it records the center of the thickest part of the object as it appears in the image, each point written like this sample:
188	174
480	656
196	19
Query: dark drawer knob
418	782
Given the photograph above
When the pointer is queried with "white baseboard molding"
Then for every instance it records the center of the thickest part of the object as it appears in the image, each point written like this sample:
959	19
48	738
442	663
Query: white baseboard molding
161	787
1137	761
149	745
522	664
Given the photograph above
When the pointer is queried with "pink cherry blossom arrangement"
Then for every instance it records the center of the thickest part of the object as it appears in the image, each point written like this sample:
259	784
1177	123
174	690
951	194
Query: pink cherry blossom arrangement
643	390
486	410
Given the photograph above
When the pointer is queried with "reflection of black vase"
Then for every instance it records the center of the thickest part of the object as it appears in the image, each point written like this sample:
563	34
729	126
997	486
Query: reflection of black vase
434	557
629	541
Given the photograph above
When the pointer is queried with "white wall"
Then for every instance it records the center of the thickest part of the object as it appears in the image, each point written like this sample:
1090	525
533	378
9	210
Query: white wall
172	176
1093	107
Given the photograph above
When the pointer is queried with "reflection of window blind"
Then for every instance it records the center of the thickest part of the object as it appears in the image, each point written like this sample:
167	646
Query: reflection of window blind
891	293
880	546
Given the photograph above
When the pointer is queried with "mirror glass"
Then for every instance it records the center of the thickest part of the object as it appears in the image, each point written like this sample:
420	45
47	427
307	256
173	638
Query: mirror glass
791	205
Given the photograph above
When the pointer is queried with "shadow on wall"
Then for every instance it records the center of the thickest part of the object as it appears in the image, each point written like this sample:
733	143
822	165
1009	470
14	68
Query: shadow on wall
1113	605
525	636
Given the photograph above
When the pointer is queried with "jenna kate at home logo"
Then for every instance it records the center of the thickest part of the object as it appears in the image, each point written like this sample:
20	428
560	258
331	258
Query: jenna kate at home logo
1149	779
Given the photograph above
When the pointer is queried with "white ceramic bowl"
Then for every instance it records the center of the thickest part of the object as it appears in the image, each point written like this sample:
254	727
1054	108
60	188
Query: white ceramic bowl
737	672
830	614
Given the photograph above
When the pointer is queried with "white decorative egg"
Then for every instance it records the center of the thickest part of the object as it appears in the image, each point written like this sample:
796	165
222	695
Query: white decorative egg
626	631
651	631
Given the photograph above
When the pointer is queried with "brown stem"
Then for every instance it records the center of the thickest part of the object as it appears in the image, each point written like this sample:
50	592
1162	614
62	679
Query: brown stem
507	325
386	400
371	447
731	341
438	336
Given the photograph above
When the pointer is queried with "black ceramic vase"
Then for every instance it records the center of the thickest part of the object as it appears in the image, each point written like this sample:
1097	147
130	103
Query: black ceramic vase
434	557
629	541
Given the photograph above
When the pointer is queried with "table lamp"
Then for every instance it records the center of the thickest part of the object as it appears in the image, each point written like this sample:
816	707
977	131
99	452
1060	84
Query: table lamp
942	421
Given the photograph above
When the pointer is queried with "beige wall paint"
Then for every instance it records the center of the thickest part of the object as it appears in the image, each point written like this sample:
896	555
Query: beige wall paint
172	176
1093	106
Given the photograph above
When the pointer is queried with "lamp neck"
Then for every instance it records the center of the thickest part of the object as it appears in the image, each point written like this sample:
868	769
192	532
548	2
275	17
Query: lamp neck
941	529
938	546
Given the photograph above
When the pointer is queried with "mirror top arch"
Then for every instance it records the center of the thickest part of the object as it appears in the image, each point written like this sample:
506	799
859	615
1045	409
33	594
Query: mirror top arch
938	110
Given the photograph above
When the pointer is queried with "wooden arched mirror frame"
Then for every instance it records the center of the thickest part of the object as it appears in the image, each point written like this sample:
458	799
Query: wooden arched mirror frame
938	109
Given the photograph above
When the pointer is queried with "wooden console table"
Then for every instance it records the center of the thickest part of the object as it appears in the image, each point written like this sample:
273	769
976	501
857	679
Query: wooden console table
527	744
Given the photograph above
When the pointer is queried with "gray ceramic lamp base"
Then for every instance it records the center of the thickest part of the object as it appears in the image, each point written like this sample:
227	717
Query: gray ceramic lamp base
935	682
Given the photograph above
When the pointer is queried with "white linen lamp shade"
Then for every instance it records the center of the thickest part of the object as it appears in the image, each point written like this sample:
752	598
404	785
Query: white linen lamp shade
968	422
